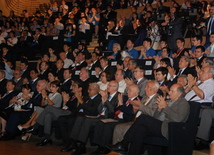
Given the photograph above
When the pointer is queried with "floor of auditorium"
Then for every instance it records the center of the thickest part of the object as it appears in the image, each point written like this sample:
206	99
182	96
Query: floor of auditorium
19	147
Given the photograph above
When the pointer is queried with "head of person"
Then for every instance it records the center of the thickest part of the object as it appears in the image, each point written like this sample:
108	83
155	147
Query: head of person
199	51
165	52
212	37
116	47
180	42
34	74
103	62
130	44
2	74
139	72
125	61
176	91
182	80
165	62
207	62
119	75
206	73
132	64
151	88
84	74
94	56
41	85
133	91
26	88
147	42
105	77
44	65
184	62
51	76
62	55
54	86
196	40
93	89
112	87
17	74
98	50
23	64
46	57
161	74
67	74
163	43
80	56
10	85
59	64
77	86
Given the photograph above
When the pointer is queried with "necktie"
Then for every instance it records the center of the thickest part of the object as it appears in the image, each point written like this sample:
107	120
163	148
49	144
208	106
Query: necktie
109	98
179	73
128	102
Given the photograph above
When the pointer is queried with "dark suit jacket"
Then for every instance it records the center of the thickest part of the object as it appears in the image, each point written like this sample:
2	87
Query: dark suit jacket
90	106
44	76
83	64
19	84
59	74
111	70
26	74
110	106
167	83
4	102
97	64
3	87
65	86
33	84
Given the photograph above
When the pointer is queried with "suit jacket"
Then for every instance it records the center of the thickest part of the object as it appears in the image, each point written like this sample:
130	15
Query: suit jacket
142	84
177	112
90	106
150	107
3	87
110	106
33	84
4	102
66	86
26	74
44	76
19	84
59	74
97	64
111	70
189	70
168	84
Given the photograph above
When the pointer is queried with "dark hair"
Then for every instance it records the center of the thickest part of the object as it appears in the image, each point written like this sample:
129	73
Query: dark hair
108	75
27	86
201	47
52	72
35	70
25	61
166	61
13	82
198	37
141	68
181	39
56	83
134	62
167	49
148	40
163	70
79	83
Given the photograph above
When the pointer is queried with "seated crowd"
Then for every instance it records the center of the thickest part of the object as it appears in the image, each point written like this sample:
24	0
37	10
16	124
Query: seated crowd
107	97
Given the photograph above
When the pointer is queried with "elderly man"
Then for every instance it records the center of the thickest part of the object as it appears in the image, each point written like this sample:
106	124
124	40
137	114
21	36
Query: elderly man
124	112
146	106
203	90
119	77
88	107
82	126
175	110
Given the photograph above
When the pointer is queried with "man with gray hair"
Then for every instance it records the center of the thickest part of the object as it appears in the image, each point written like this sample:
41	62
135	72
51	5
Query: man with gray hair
203	90
145	106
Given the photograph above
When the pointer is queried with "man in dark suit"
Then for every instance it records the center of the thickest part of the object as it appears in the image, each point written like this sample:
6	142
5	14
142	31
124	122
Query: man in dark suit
147	106
89	107
199	55
18	80
44	69
79	62
84	76
83	124
24	69
59	70
161	78
3	82
66	85
124	112
110	14
9	94
132	64
95	61
175	110
34	79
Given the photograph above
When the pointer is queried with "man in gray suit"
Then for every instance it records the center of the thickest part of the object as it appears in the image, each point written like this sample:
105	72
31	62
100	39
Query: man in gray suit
140	80
146	106
174	110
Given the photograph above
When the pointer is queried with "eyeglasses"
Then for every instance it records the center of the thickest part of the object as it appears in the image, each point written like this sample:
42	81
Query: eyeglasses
137	71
